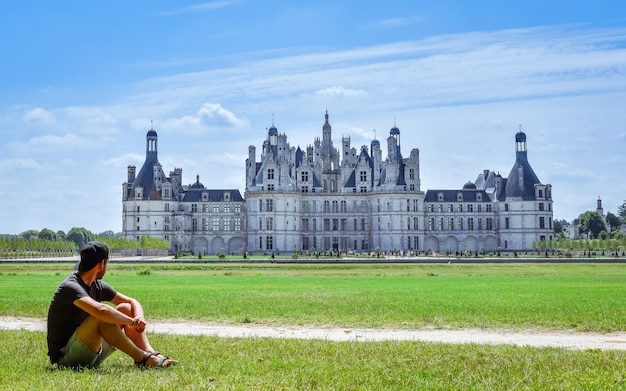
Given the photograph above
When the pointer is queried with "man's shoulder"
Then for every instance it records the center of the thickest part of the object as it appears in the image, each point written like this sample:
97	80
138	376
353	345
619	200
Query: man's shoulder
73	283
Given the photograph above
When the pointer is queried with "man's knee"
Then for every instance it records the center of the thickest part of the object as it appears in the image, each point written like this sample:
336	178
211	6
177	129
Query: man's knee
125	308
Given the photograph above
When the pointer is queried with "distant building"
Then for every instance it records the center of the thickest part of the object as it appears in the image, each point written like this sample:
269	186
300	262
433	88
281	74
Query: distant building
339	199
191	217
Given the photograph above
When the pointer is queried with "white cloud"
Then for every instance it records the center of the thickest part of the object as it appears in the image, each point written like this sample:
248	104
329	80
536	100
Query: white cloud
19	164
211	116
340	92
208	6
59	143
398	22
39	115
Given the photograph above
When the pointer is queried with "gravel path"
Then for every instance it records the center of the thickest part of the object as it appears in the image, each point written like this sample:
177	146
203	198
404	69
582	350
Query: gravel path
561	339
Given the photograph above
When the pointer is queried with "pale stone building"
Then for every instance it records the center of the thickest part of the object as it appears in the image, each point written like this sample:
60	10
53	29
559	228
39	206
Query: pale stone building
191	217
342	199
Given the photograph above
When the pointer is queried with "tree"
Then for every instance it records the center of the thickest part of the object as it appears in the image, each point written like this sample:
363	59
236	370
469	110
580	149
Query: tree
79	236
558	227
591	223
614	222
621	210
47	234
30	234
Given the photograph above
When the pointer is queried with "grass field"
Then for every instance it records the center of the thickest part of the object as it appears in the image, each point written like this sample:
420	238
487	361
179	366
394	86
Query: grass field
581	297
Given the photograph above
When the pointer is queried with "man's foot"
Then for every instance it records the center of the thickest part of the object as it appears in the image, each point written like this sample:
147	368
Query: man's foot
155	360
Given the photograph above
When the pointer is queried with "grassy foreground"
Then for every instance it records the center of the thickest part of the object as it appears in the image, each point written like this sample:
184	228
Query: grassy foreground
262	364
576	296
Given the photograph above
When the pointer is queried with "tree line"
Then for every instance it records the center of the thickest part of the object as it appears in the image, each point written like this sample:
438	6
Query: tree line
49	243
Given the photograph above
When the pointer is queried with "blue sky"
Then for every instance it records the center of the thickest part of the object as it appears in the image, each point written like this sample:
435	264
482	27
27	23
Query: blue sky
82	81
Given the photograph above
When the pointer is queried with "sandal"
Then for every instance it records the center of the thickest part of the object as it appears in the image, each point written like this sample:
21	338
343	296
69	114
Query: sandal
143	362
160	361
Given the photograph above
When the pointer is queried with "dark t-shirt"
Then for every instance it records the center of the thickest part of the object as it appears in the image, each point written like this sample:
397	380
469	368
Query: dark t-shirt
64	317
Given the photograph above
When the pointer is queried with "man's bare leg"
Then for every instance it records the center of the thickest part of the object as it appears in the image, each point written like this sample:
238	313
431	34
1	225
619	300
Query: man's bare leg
92	331
140	339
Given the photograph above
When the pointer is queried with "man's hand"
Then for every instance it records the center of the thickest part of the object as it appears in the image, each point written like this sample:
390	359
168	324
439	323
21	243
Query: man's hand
139	324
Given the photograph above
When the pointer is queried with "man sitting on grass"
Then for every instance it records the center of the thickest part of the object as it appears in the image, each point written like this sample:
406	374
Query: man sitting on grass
83	331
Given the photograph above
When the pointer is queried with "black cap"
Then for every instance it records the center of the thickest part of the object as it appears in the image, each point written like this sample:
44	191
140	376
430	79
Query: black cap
91	254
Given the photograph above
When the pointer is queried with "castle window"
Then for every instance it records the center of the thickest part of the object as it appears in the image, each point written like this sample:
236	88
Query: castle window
506	207
269	224
460	224
470	207
216	224
269	205
194	208
542	222
541	206
450	208
479	197
412	173
216	208
269	242
270	173
138	208
506	223
450	224
470	223
439	208
489	222
305	176
459	197
270	187
227	208
363	176
440	197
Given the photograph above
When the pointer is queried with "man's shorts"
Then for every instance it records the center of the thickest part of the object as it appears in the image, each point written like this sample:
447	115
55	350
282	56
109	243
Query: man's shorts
77	355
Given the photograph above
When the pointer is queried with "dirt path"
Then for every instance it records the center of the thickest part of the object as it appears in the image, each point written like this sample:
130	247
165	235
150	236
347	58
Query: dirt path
562	339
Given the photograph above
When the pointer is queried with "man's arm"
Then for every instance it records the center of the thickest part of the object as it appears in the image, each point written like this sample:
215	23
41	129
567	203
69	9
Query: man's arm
136	310
103	312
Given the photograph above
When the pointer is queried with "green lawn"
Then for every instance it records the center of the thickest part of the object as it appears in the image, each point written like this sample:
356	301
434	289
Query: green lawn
515	296
581	297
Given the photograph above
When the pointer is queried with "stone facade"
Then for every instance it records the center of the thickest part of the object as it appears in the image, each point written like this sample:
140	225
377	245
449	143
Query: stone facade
342	199
192	218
